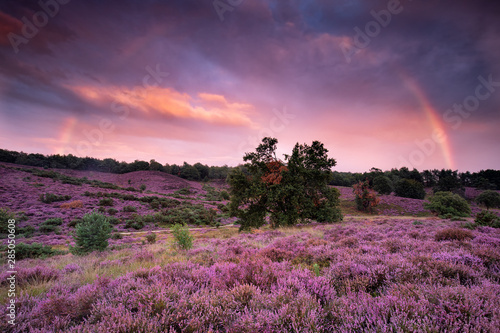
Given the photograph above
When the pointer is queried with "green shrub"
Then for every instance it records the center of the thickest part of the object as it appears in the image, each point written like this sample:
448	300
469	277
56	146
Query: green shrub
409	188
106	202
26	231
129	209
113	220
182	237
91	234
143	187
382	184
5	216
151	238
489	199
448	205
487	218
224	195
54	221
47	228
50	197
34	250
112	211
136	224
190	214
155	204
117	236
416	222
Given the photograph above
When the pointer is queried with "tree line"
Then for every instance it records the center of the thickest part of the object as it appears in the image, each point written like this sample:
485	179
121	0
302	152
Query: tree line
187	171
445	180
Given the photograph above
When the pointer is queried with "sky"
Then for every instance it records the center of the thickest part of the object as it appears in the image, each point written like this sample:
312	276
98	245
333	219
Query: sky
382	84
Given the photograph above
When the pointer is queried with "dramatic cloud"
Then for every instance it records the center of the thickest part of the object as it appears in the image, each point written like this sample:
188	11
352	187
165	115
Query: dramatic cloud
381	83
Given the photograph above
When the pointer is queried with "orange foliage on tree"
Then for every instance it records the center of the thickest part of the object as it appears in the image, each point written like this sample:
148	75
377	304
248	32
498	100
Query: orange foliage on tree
273	176
366	198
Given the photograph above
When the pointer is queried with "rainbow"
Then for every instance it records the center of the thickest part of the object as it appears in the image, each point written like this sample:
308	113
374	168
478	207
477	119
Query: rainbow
65	134
434	118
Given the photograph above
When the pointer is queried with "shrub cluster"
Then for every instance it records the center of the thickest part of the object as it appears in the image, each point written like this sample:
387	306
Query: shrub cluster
106	202
50	197
487	218
448	205
51	225
489	199
189	213
34	250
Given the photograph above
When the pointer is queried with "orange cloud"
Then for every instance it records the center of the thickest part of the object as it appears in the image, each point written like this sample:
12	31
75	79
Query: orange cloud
209	108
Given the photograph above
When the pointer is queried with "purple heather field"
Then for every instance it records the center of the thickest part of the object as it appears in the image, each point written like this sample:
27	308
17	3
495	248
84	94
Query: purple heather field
400	269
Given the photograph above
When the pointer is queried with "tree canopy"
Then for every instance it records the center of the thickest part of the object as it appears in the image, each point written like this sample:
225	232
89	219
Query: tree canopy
289	191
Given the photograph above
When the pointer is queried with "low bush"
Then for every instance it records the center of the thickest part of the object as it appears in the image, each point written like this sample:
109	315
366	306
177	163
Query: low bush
112	211
151	238
182	236
47	228
117	235
34	250
106	202
453	234
129	209
489	219
50	197
409	188
190	214
489	199
448	205
26	231
54	221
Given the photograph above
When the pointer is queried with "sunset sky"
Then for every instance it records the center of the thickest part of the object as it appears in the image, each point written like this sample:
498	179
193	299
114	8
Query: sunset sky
204	81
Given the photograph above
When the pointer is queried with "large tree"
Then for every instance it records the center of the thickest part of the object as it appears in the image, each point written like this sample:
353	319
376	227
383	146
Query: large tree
288	191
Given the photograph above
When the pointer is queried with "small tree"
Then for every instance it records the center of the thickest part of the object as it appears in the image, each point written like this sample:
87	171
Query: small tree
489	199
366	198
447	205
382	184
288	191
182	236
91	234
409	188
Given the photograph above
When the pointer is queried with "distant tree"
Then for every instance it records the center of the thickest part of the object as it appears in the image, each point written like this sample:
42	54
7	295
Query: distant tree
489	199
288	192
382	184
448	181
203	170
155	166
189	172
409	188
175	170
